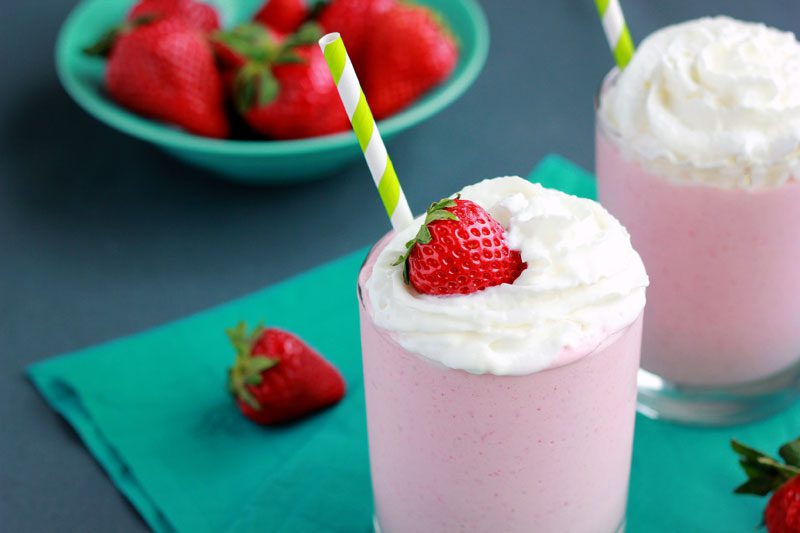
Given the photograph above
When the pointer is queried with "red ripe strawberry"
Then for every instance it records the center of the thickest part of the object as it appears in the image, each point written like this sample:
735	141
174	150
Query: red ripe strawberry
783	510
397	71
166	70
197	14
283	16
459	249
767	474
284	89
307	102
277	378
354	20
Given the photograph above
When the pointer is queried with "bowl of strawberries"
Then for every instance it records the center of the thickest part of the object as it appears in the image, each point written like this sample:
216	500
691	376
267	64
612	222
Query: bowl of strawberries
240	87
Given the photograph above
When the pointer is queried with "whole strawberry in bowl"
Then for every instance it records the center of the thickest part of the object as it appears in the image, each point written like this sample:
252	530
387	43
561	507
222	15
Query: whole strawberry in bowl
293	127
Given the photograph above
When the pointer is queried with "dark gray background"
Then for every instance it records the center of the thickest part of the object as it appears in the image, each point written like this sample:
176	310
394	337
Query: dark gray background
102	236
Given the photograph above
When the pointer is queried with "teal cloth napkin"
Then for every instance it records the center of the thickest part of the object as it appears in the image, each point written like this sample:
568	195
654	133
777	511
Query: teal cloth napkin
153	409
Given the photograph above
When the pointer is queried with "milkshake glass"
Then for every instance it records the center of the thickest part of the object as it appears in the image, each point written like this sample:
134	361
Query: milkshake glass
698	155
511	409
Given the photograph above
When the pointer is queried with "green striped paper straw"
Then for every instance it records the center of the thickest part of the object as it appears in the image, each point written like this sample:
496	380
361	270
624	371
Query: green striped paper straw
355	104
619	38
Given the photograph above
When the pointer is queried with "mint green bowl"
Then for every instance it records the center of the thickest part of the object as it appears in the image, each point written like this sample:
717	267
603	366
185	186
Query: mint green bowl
254	161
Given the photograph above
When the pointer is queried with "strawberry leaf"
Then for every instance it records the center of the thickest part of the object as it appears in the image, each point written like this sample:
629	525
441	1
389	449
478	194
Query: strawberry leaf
244	91
289	57
790	452
259	364
253	379
268	88
760	486
103	46
746	452
250	40
308	33
765	474
254	86
247	397
247	370
440	215
424	234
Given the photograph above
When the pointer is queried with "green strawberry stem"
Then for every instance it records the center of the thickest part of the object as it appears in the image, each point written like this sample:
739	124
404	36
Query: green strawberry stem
437	211
102	47
254	84
246	370
766	474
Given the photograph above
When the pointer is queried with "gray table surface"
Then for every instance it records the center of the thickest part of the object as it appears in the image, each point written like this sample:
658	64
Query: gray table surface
103	236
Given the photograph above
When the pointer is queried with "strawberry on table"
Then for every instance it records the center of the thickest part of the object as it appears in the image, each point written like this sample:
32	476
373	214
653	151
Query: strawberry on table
410	51
197	14
284	89
355	21
166	70
459	249
769	475
278	378
283	16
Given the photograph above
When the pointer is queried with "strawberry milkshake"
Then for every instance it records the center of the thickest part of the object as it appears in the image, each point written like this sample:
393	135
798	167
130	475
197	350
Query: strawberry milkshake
501	347
698	154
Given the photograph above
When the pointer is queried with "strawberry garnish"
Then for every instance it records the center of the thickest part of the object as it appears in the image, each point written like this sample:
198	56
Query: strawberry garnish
283	16
410	52
459	249
165	69
278	378
283	89
769	475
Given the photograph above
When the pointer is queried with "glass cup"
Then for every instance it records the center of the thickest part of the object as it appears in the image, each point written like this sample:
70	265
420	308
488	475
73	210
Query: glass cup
454	451
721	340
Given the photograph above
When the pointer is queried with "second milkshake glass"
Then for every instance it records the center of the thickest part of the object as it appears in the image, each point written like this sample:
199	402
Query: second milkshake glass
721	340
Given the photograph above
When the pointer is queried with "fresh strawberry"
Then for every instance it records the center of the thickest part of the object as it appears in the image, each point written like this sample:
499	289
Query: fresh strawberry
283	16
355	21
166	70
197	14
459	249
307	102
767	474
397	70
285	90
783	510
277	378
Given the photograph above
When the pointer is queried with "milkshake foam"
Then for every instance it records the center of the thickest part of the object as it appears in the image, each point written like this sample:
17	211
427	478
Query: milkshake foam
712	101
584	282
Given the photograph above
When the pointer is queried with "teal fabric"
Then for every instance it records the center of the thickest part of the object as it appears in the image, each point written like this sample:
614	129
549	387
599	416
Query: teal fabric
153	409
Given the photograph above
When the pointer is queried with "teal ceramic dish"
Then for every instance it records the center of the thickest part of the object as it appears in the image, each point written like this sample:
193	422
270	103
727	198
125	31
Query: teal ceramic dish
254	161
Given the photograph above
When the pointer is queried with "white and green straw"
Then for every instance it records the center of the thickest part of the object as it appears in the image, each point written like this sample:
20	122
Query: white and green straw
619	38
355	104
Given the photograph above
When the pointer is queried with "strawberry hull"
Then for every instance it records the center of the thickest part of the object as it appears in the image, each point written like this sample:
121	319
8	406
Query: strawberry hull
455	451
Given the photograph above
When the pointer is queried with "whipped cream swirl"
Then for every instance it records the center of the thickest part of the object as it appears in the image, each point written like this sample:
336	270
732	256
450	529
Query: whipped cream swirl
714	101
584	282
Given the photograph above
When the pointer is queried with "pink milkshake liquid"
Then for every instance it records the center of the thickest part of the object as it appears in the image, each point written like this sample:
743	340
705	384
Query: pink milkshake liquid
455	451
722	335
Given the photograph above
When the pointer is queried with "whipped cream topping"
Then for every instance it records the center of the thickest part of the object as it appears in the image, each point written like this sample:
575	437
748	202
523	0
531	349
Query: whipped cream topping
584	282
714	101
